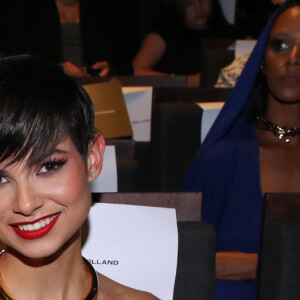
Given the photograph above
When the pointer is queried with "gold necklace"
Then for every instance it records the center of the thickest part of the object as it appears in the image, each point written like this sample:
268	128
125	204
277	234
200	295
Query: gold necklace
90	294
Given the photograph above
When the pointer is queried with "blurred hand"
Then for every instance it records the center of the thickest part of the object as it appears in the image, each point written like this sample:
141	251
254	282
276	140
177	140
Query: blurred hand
72	70
102	67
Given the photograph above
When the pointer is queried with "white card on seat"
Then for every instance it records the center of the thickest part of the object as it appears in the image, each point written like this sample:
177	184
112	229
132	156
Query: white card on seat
228	9
209	115
107	182
134	245
244	47
139	106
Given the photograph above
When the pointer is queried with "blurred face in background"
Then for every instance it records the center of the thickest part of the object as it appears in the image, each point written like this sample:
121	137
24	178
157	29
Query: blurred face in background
282	57
197	13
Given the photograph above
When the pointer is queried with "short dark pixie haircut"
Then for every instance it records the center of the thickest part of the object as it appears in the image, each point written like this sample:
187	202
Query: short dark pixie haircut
40	106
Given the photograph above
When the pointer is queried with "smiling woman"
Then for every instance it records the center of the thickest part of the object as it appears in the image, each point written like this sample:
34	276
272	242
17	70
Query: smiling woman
49	153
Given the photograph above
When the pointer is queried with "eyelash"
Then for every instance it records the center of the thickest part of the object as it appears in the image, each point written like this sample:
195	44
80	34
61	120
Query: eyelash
55	163
3	178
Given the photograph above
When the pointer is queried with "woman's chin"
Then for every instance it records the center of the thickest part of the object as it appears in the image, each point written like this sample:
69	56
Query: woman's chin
40	249
34	253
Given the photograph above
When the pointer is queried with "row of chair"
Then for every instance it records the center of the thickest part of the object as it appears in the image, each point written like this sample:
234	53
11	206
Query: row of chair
160	165
279	268
279	265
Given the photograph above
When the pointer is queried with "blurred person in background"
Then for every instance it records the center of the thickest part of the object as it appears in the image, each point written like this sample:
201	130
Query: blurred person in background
172	47
83	36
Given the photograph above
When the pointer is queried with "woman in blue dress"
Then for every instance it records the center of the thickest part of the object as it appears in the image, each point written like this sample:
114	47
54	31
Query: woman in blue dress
252	148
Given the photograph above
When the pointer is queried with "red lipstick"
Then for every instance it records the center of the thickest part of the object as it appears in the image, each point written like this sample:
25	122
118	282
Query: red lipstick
36	229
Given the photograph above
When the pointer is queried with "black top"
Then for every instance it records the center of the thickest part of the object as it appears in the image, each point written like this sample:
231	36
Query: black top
184	47
109	29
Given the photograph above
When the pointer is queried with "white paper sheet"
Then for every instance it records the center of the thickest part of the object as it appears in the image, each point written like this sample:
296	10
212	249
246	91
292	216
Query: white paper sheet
244	47
139	106
134	245
107	182
209	115
228	8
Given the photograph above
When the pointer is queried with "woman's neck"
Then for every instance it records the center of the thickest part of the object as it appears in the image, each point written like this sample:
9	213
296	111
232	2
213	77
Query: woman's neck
283	114
65	277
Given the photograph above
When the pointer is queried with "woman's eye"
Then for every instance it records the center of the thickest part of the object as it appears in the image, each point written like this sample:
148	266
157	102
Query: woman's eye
51	166
279	45
3	180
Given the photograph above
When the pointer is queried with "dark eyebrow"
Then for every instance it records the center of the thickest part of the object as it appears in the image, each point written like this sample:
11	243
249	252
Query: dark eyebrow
33	159
47	154
3	173
279	34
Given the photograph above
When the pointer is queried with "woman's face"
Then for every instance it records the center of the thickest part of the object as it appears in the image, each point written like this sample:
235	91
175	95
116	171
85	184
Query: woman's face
41	208
197	13
282	58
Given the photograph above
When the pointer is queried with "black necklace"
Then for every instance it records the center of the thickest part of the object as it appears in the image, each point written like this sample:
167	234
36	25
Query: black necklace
95	284
283	133
90	296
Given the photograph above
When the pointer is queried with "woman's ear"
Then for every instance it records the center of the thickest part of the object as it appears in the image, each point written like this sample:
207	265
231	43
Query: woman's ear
95	157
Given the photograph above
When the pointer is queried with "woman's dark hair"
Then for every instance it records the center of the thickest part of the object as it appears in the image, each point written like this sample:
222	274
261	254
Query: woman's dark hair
216	19
174	10
258	98
40	107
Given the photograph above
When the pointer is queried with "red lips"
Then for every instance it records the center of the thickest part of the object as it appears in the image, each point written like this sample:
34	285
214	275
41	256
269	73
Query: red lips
45	227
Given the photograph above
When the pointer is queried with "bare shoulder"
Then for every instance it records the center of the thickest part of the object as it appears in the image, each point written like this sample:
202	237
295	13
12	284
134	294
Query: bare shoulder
109	289
154	37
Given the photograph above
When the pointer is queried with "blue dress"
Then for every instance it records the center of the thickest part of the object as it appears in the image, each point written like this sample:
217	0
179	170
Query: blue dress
228	176
226	169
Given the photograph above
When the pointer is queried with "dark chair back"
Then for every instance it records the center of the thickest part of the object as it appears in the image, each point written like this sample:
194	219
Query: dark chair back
163	94
175	139
195	278
187	204
279	269
128	167
147	80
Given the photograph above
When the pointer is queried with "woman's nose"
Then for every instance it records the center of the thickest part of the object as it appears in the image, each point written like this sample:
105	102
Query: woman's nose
294	56
26	200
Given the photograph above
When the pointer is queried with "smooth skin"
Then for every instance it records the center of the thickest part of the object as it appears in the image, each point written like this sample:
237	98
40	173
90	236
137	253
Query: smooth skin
52	263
